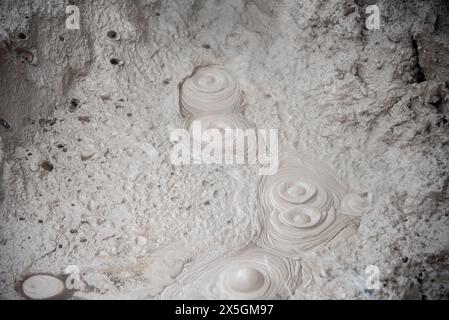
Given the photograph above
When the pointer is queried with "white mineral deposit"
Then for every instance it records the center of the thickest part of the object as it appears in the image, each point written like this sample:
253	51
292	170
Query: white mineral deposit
43	287
205	149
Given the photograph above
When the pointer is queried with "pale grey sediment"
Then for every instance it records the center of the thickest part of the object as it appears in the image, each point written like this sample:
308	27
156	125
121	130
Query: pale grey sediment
85	173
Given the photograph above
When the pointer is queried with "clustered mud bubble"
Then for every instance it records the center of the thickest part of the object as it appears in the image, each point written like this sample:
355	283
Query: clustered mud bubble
301	209
211	99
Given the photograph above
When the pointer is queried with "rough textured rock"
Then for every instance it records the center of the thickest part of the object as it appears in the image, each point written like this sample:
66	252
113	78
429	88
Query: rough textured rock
86	176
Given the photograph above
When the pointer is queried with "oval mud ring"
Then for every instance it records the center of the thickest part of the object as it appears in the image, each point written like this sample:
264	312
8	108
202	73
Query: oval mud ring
44	286
116	62
113	35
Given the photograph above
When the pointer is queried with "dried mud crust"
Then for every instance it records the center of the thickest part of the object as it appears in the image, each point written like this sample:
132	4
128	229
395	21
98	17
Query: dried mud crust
86	176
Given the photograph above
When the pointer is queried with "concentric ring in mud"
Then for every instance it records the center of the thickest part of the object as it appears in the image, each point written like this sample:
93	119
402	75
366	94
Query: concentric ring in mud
230	134
210	90
254	274
297	208
355	204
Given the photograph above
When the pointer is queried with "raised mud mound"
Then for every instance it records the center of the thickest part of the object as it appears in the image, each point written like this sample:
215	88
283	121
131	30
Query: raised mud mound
87	187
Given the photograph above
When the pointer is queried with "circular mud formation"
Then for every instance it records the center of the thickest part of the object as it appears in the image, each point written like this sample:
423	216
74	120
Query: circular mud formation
85	153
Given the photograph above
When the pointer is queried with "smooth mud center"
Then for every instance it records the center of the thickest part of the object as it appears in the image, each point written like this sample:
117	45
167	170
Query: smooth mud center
278	150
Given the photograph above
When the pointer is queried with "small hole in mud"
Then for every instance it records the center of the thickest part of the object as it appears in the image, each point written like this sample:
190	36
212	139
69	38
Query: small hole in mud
22	36
206	46
61	38
158	14
47	165
114	61
112	34
5	124
74	104
27	17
